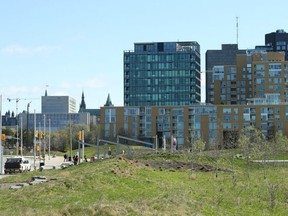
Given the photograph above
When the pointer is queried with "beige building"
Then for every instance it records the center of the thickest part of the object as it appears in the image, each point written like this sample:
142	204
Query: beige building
214	124
251	93
254	74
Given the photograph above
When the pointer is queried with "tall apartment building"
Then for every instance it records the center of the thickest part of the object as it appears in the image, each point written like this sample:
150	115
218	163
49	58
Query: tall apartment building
162	74
254	75
277	41
215	58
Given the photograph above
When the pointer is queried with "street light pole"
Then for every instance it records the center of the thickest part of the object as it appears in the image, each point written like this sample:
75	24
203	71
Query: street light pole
1	149
21	137
49	142
16	117
17	141
70	135
44	136
34	146
28	105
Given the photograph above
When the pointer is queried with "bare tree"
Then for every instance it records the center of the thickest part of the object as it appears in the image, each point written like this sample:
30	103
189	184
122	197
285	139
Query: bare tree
251	143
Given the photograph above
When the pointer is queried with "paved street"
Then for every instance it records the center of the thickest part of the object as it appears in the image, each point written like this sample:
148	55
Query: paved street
50	163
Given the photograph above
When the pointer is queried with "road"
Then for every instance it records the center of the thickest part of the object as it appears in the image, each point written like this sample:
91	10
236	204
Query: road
50	163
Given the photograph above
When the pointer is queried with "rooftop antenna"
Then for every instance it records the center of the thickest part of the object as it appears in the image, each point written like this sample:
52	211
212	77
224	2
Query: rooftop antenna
237	30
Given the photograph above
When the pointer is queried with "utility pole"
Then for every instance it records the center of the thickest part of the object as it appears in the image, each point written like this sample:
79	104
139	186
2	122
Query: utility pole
16	117
82	146
28	105
44	136
237	29
49	138
1	148
34	147
21	136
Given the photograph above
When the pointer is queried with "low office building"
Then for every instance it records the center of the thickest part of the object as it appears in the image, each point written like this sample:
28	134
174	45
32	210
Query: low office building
54	121
57	104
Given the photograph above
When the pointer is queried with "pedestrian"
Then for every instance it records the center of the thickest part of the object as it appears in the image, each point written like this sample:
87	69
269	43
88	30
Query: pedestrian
65	157
109	152
175	145
75	159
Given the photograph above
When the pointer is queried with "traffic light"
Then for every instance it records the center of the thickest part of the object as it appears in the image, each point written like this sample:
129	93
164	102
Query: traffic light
36	134
37	148
41	134
3	137
80	135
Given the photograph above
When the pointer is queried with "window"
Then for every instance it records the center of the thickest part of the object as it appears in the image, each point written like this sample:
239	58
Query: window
246	117
275	66
246	111
227	110
226	118
264	117
227	125
260	67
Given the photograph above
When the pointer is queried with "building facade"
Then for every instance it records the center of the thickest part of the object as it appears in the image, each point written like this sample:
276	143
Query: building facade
214	124
277	41
144	123
214	58
255	74
162	74
57	104
54	121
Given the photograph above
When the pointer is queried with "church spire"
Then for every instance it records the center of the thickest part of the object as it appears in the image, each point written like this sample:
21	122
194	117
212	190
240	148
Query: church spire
83	104
46	91
108	101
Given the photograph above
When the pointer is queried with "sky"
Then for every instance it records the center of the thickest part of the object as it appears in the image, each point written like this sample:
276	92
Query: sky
70	46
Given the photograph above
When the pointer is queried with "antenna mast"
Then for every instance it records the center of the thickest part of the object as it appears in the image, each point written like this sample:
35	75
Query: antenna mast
237	30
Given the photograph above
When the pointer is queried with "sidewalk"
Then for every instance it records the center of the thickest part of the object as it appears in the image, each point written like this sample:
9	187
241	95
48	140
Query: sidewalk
49	163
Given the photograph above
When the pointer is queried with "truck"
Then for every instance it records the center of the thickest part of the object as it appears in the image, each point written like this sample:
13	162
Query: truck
17	164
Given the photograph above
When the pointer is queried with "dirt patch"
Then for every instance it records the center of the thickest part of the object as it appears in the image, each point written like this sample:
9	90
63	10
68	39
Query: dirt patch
170	165
176	165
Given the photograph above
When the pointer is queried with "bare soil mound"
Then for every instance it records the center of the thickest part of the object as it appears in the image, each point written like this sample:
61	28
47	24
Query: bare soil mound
176	165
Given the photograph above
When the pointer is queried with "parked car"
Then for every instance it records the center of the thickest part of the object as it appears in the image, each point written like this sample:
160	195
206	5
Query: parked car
17	164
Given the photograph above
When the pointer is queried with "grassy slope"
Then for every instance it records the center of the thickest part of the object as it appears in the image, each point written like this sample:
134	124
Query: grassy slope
123	187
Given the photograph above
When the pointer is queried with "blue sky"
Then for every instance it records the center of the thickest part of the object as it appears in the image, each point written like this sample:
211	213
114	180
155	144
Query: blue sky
69	46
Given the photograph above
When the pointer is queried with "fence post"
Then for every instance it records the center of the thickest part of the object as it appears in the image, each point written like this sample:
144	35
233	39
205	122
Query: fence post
156	144
117	145
98	148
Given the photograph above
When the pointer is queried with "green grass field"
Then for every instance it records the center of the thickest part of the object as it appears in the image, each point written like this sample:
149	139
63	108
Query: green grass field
127	187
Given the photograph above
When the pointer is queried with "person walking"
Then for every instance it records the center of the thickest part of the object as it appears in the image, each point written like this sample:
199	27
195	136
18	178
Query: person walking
109	152
65	157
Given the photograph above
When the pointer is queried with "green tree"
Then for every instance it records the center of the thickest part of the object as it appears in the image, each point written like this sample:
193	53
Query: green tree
198	145
9	133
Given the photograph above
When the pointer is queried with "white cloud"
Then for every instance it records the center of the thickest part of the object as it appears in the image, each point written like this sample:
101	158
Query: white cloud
22	50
